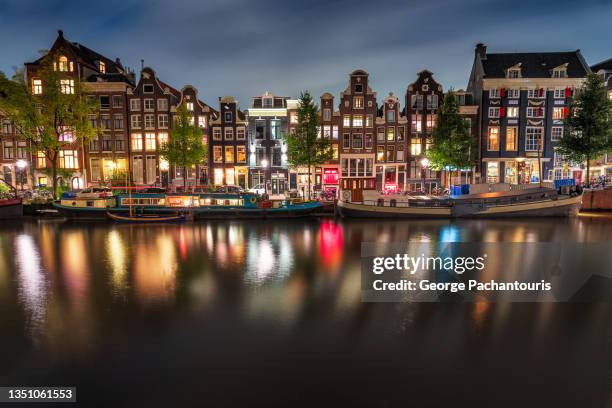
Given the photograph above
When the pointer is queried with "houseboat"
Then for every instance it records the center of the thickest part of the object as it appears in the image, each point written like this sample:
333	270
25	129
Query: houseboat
192	205
536	202
11	208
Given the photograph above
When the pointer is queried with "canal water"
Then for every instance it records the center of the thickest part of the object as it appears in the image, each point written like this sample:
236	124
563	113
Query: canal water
269	313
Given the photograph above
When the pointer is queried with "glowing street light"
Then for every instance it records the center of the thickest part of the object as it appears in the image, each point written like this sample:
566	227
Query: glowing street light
424	164
21	165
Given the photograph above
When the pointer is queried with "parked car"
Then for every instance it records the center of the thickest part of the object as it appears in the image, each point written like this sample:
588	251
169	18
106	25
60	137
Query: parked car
258	189
230	189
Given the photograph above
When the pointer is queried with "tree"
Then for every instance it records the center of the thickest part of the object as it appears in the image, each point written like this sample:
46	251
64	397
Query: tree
185	147
452	143
304	145
56	117
588	126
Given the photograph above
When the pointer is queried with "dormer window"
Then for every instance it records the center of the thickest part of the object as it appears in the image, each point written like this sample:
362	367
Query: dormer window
267	102
102	67
560	72
514	73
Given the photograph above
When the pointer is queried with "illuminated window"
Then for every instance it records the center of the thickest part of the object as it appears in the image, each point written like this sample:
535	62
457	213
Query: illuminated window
347	121
293	117
558	113
229	154
335	149
431	121
240	154
391	133
511	139
369	120
335	132
357	120
380	153
37	86
150	141
136	141
327	132
68	159
63	63
67	86
358	102
493	138
162	138
202	122
217	154
190	106
102	67
66	135
533	139
416	123
492	172
415	146
512	112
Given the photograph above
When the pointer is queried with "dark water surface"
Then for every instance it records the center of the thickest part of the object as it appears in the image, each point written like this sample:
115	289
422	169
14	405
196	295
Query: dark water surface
269	314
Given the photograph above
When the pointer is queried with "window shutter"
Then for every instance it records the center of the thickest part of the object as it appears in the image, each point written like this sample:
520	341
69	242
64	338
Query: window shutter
568	92
566	110
502	112
502	92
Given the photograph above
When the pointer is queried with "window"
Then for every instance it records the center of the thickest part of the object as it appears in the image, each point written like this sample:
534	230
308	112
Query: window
119	143
37	86
162	121
117	101
190	106
513	93
380	135
391	116
369	141
358	88
559	93
390	134
514	73
136	141
494	93
105	122
240	133
559	73
63	63
162	138
148	88
8	150
229	133
229	154
357	120
493	138
107	144
68	159
416	123
511	139
400	153
240	154
217	133
400	133
346	141
267	102
327	114
556	133
293	117
326	132
415	146
276	156
347	121
149	121
6	127
512	112
335	151
150	141
66	135
390	154
558	113
275	129
492	172
227	117
104	102
432	101
535	93
380	153
134	104
162	104
67	86
357	141
358	102
431	121
94	144
41	160
494	112
335	132
149	105
533	139
417	101
535	112
217	154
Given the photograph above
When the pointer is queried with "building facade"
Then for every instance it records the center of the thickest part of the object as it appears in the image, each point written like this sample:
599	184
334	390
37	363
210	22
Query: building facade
358	110
602	166
423	98
391	146
228	145
107	82
267	128
523	99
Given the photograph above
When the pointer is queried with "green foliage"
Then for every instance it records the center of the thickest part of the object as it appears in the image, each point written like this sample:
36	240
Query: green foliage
588	127
185	147
46	119
304	147
452	141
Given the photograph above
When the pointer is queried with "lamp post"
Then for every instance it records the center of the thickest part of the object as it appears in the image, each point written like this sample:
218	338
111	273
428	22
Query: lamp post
21	165
264	164
424	164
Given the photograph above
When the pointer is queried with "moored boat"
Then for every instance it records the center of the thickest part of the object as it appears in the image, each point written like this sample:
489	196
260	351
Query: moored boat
146	218
11	208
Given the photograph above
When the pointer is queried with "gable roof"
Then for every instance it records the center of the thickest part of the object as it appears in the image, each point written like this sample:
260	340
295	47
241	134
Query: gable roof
535	64
605	65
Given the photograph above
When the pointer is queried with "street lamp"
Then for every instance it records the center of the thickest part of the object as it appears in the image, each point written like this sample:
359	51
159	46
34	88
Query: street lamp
264	164
424	164
21	165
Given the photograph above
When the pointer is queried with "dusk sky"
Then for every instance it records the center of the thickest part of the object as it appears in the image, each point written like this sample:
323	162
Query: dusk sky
243	48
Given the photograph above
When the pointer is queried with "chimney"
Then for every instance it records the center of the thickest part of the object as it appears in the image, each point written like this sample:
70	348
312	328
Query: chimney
60	33
481	50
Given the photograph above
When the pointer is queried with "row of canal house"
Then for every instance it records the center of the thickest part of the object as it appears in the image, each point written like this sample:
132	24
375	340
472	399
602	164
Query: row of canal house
515	102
